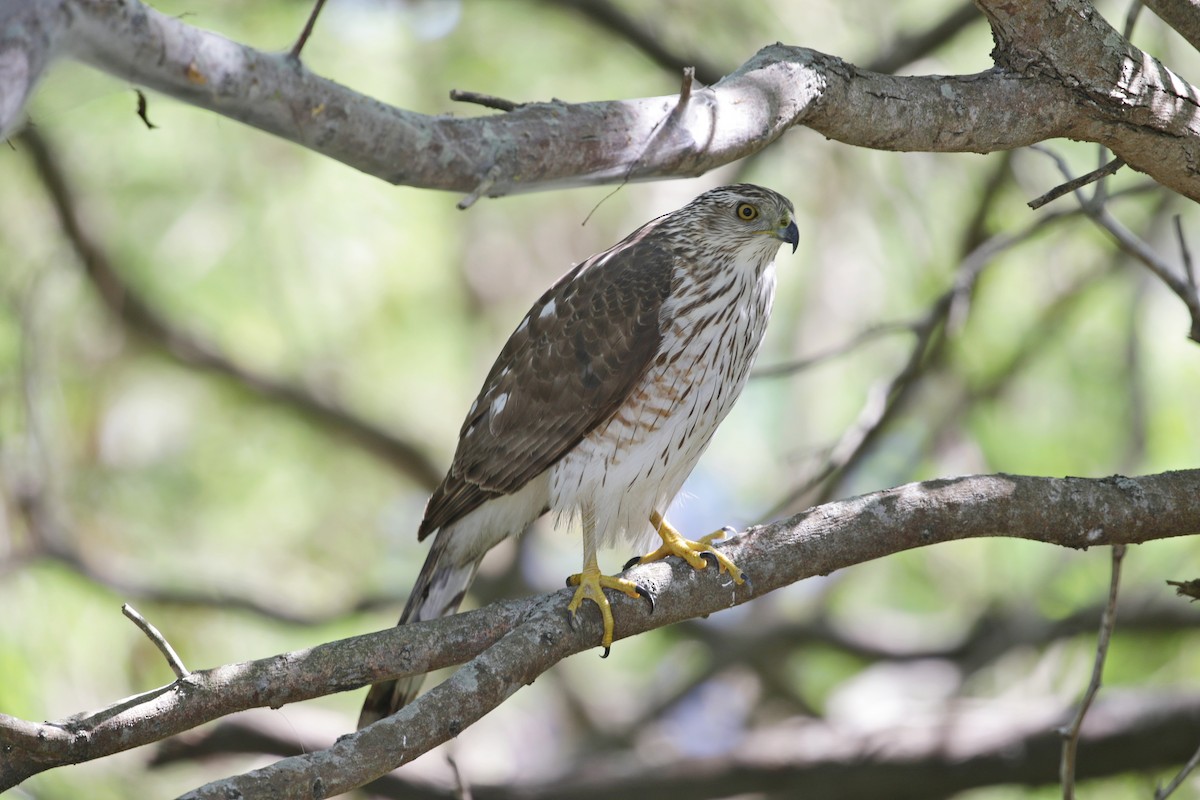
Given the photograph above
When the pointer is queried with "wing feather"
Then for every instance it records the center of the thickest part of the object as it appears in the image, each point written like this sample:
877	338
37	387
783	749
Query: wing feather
567	368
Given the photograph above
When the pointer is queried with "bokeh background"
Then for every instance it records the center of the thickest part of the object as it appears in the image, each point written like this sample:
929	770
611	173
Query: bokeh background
243	524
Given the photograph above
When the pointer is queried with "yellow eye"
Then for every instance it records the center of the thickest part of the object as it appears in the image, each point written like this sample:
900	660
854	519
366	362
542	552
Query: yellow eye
745	211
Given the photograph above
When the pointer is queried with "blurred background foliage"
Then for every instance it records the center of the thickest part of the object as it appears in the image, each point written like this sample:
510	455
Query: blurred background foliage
243	527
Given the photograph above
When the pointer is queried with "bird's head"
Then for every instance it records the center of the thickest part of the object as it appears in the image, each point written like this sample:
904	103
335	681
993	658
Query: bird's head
749	215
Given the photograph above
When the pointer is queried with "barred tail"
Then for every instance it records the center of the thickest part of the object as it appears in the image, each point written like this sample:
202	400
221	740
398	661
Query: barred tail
438	592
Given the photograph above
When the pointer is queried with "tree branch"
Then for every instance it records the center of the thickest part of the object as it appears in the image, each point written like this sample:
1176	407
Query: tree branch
1183	285
1115	95
205	695
1135	99
1125	733
509	644
1071	731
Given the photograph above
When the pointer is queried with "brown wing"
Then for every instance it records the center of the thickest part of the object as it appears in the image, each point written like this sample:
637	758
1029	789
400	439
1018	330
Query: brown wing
567	367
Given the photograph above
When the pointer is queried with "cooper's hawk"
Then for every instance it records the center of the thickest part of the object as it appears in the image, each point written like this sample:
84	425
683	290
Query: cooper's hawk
603	399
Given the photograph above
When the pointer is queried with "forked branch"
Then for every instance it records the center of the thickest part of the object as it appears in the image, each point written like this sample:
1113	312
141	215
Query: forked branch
507	645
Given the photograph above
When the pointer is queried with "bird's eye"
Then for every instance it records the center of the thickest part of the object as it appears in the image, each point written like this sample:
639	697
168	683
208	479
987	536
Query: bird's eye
745	211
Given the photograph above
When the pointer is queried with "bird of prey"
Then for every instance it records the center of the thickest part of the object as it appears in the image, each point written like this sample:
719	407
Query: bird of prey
602	401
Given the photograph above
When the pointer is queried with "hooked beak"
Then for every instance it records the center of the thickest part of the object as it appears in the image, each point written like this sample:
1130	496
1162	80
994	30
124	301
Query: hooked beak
790	234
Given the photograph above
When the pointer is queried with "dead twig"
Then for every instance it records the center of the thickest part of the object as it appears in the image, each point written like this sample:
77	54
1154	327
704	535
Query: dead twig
141	109
307	31
685	91
160	641
1163	792
485	100
863	337
664	125
1189	269
650	42
462	789
488	181
1070	732
1096	210
1077	183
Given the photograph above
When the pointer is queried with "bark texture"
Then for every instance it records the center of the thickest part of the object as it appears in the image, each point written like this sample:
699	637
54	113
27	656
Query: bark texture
1060	71
506	646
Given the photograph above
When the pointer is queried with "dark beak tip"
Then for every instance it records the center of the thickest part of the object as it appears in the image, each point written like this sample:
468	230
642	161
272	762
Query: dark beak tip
791	235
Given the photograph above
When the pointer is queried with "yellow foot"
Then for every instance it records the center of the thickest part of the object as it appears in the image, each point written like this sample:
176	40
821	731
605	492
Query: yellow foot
591	586
693	552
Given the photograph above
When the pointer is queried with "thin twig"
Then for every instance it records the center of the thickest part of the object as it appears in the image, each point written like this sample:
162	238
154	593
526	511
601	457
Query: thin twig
153	634
1187	589
141	109
308	29
484	186
462	789
685	90
1097	211
1189	268
1077	183
664	124
863	337
908	47
1183	287
1163	792
1070	732
885	398
485	100
648	41
1135	10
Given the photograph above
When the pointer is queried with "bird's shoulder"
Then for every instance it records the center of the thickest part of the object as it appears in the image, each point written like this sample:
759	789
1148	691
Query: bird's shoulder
567	367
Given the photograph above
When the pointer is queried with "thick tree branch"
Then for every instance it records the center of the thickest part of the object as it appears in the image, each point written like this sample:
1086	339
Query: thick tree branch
206	695
510	644
1136	103
1128	733
1124	733
1115	95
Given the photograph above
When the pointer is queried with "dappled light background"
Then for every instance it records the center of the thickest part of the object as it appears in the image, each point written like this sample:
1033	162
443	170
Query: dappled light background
243	526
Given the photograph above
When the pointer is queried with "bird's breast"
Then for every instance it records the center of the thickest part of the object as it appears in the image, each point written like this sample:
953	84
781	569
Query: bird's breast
642	454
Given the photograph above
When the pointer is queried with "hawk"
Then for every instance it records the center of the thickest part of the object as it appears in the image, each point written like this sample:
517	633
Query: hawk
602	401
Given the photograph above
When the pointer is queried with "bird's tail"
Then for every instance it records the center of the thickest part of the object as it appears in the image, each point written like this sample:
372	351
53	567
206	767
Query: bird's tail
438	592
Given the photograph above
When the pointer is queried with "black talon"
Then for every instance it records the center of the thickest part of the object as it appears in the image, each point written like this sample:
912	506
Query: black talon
631	562
644	593
711	557
749	584
607	650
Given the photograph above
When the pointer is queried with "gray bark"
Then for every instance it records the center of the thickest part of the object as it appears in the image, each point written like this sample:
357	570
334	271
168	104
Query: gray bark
507	645
1061	71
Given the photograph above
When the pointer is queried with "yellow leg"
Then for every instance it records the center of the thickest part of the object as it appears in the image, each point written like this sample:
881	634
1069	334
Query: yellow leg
674	544
591	585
